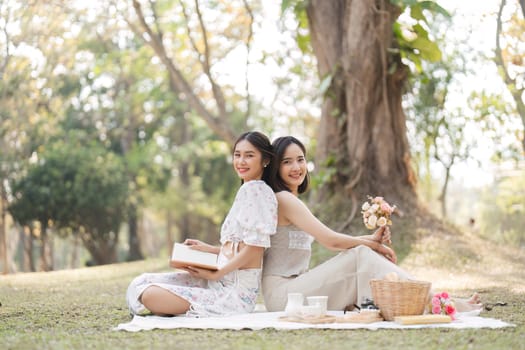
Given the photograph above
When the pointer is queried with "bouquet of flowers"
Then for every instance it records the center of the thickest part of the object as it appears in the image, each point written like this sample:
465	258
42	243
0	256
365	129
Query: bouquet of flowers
441	304
376	212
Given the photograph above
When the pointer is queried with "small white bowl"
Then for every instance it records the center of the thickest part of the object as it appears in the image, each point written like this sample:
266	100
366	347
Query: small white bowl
312	311
321	300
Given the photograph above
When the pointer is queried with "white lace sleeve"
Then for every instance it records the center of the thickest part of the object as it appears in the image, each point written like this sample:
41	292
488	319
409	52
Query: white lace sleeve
255	214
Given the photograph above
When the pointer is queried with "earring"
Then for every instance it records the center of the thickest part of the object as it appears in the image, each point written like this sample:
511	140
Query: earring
265	165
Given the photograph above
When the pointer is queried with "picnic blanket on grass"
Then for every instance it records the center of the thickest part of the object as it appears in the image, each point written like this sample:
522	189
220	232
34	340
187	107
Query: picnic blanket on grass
264	320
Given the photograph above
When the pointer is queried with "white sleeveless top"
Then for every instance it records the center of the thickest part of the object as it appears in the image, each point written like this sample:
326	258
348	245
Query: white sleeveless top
289	254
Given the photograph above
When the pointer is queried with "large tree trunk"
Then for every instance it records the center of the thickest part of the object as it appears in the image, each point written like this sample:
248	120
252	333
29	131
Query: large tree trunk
362	132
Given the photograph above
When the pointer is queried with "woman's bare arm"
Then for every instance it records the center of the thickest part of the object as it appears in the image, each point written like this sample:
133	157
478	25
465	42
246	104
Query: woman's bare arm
295	211
203	247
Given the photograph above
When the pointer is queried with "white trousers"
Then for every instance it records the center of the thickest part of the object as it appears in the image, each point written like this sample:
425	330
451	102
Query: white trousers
343	278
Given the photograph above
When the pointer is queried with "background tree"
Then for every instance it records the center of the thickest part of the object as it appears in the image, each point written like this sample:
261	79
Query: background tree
78	188
149	23
362	134
26	103
117	95
509	55
438	130
502	210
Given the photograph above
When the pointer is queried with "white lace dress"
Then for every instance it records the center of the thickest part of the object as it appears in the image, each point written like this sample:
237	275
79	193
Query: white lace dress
251	220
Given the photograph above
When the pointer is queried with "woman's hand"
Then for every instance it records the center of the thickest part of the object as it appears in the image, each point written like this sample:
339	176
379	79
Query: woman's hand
387	252
203	273
382	235
199	245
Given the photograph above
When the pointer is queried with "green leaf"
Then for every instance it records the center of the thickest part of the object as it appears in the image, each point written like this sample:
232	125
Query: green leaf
434	8
416	12
303	42
427	49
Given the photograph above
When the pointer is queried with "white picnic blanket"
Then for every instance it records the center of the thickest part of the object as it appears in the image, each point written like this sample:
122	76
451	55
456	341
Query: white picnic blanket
263	320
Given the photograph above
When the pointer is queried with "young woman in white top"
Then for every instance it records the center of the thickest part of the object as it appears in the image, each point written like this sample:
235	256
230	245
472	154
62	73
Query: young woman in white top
343	278
245	233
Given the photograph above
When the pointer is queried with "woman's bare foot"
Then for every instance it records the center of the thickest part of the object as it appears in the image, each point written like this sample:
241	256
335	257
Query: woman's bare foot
472	303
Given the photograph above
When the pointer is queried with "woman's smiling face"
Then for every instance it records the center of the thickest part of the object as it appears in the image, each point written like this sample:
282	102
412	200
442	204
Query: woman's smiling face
247	161
292	168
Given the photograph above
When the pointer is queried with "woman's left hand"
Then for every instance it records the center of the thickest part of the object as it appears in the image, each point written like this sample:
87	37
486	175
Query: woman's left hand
203	273
387	252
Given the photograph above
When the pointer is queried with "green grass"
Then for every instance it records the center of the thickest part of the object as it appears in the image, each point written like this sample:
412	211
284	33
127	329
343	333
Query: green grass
77	309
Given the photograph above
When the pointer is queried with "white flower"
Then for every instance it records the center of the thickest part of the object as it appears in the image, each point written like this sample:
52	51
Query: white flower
365	206
373	208
381	221
372	220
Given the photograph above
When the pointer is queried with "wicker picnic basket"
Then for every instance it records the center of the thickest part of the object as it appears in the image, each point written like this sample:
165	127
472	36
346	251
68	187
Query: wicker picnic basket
400	298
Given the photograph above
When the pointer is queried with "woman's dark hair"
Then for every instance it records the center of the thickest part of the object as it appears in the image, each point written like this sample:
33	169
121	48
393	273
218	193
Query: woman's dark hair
279	147
262	143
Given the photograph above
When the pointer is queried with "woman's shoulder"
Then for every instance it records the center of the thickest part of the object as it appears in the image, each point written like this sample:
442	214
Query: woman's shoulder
285	195
284	198
256	187
256	184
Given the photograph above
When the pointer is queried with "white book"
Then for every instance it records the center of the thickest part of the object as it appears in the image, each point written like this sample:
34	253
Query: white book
183	256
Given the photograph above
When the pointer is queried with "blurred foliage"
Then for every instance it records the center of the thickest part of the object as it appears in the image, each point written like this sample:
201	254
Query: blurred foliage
502	210
83	188
438	134
415	43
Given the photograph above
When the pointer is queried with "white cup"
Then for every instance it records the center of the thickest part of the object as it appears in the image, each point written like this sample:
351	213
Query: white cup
319	300
294	304
312	311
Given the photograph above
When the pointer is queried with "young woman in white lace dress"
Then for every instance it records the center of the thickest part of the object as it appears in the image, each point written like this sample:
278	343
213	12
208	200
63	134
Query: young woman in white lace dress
245	233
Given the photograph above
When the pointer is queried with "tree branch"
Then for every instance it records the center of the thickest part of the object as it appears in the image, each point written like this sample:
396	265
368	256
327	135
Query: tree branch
217	92
7	38
248	48
500	63
499	55
218	124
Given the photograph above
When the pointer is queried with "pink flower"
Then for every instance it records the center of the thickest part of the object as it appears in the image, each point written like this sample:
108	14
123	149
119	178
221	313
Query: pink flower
441	304
386	208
